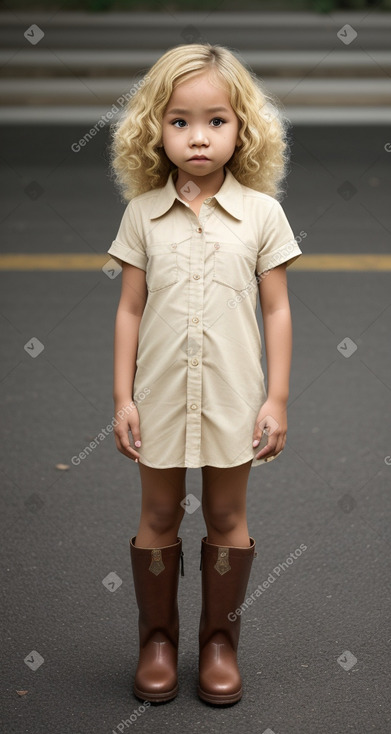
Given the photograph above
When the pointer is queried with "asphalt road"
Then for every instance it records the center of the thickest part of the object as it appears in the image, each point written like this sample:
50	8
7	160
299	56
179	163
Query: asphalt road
314	649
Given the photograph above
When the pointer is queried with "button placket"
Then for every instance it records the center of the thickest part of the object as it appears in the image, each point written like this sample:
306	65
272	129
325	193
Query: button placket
194	356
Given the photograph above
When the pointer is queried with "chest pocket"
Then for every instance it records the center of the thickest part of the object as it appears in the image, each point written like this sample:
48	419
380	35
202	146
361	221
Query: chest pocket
234	264
162	266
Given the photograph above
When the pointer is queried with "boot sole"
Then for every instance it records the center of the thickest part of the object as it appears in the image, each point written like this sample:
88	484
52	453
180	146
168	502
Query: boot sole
220	700
156	697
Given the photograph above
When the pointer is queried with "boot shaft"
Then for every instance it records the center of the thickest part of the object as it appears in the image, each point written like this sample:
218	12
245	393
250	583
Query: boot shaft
156	577
225	575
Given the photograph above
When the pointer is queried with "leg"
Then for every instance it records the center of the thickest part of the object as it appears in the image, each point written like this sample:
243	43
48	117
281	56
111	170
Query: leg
224	504
227	555
155	555
161	511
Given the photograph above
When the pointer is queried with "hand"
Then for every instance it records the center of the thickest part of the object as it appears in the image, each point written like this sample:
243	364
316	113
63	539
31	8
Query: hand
128	419
271	419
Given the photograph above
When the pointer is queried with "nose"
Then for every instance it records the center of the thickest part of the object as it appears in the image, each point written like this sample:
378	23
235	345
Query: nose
199	136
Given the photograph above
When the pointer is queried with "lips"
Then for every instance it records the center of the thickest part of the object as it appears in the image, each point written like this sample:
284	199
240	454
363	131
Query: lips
199	158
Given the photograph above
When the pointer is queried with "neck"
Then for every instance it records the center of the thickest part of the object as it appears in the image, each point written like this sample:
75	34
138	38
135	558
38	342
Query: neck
208	185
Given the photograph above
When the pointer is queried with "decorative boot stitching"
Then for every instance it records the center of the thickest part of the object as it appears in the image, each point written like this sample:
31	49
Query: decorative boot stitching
222	563
157	565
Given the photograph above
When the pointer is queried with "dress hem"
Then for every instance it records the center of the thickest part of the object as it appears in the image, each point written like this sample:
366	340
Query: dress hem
260	462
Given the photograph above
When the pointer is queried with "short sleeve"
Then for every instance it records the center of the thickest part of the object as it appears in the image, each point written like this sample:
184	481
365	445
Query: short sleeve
278	244
128	245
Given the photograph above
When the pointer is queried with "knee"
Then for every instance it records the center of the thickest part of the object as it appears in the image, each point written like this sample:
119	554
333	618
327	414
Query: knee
221	519
164	518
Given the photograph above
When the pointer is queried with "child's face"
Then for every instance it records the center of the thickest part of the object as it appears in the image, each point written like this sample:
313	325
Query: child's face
199	131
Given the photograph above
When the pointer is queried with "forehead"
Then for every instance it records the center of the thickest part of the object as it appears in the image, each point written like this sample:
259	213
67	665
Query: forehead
205	87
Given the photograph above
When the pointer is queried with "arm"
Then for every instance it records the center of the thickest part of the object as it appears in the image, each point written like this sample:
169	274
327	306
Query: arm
276	315
130	309
277	324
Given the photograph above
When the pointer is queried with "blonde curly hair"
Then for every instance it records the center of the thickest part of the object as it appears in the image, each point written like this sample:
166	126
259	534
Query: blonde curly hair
260	162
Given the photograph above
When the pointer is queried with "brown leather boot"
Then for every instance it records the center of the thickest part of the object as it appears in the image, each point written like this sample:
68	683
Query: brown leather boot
225	574
156	575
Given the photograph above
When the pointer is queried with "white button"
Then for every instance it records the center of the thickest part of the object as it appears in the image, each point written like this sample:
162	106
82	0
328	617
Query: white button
194	406
194	362
196	276
216	245
195	320
199	229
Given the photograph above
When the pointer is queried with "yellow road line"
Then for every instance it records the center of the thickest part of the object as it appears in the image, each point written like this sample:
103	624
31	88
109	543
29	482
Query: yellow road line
21	261
342	262
62	261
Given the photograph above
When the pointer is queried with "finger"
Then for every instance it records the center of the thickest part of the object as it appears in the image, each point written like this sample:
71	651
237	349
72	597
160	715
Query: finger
257	436
267	425
274	452
130	453
136	435
267	450
125	448
281	442
280	445
260	432
129	449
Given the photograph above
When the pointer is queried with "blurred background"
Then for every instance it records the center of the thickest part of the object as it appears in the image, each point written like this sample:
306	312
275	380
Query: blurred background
323	67
321	6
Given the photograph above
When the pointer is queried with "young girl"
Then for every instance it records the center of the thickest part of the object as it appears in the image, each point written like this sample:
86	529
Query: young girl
199	155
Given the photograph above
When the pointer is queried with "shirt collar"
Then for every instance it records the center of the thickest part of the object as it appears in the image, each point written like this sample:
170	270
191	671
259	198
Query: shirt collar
229	196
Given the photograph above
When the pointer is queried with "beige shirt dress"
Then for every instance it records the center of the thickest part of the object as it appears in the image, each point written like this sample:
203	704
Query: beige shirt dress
199	383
